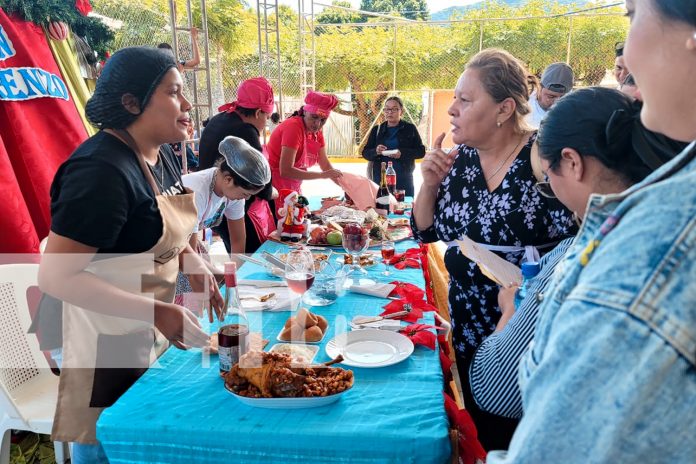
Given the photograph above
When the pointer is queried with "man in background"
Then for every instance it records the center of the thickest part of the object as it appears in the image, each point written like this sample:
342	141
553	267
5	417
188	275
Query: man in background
556	81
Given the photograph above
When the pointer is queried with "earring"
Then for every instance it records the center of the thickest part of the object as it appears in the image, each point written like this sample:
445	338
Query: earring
498	123
691	42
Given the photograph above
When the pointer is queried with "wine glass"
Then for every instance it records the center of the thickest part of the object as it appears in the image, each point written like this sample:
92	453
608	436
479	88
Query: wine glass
355	241
299	272
387	255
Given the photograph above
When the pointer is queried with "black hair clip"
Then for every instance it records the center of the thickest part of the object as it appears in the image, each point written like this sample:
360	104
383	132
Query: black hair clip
618	130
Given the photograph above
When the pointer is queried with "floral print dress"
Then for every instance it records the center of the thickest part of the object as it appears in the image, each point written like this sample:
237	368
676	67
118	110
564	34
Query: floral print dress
514	215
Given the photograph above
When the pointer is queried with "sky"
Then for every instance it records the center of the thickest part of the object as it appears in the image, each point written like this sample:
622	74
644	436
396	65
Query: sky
433	5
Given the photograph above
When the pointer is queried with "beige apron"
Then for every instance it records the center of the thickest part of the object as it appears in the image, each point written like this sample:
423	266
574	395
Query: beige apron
104	355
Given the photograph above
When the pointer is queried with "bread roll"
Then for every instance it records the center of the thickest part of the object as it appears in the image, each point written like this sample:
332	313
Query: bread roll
305	318
313	334
322	323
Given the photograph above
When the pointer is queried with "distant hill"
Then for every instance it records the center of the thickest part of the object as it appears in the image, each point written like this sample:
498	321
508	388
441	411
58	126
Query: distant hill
447	13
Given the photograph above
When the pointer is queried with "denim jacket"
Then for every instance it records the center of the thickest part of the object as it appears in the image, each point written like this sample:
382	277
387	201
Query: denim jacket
611	374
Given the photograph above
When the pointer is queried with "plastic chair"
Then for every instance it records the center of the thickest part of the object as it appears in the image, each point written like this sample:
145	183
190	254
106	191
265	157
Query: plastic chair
28	389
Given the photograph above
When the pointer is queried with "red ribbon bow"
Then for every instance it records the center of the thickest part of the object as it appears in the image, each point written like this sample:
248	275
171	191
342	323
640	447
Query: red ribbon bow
420	334
415	313
406	290
83	6
409	258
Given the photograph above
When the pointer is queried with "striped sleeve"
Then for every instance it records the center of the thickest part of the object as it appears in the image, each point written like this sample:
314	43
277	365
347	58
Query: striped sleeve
493	371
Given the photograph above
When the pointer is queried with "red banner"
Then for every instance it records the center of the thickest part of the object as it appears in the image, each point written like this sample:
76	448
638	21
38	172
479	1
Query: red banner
39	128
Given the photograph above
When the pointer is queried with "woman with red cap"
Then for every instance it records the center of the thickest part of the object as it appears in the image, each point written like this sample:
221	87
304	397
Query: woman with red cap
298	144
244	118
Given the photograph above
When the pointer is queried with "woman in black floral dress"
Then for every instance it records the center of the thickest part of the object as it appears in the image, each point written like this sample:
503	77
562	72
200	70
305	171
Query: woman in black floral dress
485	189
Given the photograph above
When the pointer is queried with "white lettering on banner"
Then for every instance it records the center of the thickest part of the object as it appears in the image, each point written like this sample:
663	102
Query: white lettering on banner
18	84
6	48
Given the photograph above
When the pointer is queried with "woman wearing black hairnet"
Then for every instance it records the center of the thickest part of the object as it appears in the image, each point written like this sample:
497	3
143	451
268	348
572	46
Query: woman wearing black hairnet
121	221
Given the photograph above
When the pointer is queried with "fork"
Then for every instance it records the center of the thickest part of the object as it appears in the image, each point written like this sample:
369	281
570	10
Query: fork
261	299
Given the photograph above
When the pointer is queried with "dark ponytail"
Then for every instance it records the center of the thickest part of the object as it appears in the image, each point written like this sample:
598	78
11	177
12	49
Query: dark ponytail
596	122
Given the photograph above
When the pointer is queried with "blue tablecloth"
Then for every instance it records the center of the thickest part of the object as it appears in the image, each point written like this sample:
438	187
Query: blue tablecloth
181	412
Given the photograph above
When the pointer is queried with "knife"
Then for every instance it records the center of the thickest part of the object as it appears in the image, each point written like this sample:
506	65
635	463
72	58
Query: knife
274	260
251	260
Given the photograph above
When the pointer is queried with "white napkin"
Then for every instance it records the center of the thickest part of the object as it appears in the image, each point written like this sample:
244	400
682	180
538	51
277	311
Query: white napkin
262	283
384	324
281	301
378	290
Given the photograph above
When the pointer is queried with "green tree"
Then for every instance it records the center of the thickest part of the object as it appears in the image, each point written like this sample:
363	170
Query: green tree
335	15
411	9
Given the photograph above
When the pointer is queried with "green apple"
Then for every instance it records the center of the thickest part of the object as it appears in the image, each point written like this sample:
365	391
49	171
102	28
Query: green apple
334	237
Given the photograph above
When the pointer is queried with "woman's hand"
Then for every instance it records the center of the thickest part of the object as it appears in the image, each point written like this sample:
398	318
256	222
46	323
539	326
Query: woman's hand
204	283
506	302
380	148
179	326
332	174
436	164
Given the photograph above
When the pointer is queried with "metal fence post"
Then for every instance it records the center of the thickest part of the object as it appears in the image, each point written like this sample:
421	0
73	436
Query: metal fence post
394	56
570	35
480	35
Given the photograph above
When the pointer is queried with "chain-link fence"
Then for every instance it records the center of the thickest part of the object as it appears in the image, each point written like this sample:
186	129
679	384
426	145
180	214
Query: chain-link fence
364	63
413	60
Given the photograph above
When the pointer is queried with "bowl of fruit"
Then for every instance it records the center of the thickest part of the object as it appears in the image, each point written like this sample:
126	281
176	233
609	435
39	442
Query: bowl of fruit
330	235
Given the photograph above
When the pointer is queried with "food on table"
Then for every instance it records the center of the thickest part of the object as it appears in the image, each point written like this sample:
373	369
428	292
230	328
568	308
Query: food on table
399	222
304	327
376	232
334	226
371	216
342	214
318	234
367	259
326	235
328	202
334	237
354	237
272	375
319	258
301	354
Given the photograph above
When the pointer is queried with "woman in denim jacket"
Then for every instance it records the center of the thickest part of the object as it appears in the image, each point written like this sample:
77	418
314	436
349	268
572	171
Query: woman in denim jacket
597	156
611	375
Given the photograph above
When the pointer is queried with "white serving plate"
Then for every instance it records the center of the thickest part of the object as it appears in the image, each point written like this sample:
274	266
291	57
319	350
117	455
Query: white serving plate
288	403
370	348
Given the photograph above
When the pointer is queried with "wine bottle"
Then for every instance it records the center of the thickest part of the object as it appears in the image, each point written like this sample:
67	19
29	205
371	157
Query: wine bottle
382	201
232	303
233	335
391	178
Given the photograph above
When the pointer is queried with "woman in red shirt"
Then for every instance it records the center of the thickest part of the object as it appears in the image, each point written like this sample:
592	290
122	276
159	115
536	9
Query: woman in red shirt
298	144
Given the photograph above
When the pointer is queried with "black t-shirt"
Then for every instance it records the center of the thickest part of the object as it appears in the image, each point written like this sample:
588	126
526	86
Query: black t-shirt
220	126
223	125
101	198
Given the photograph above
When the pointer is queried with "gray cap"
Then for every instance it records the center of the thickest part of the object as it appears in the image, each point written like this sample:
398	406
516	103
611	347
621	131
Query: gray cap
557	77
245	160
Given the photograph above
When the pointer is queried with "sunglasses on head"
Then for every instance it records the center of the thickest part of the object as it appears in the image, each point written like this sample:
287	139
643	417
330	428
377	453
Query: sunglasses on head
557	88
